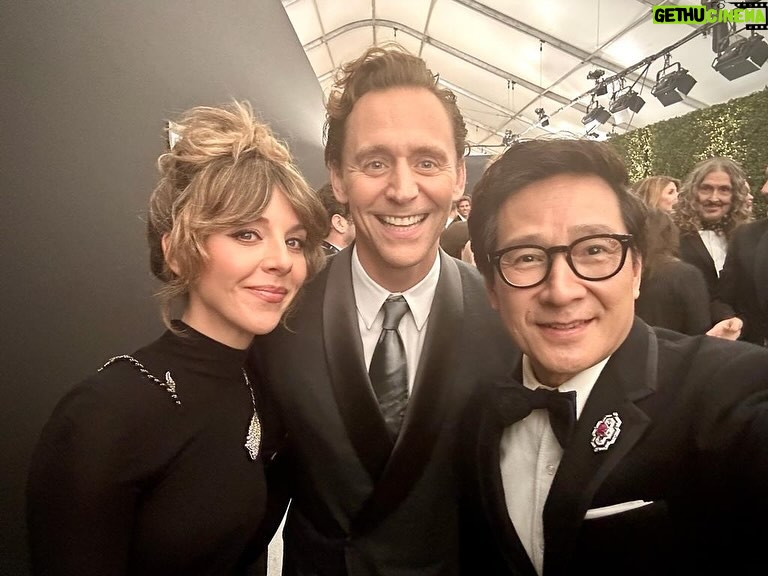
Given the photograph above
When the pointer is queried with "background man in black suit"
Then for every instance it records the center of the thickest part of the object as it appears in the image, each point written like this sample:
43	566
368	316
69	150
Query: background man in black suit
712	204
665	469
744	278
375	488
341	231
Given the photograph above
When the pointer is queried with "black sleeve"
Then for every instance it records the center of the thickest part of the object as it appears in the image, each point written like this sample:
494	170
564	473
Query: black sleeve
732	445
81	499
695	302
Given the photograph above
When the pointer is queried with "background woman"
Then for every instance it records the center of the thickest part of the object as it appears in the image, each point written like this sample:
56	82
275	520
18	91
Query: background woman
658	192
155	465
673	293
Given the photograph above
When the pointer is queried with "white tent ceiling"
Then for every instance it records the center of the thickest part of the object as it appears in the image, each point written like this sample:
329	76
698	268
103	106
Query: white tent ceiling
506	58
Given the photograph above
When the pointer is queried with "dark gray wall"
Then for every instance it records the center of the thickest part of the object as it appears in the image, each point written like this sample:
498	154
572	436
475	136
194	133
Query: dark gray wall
476	165
86	86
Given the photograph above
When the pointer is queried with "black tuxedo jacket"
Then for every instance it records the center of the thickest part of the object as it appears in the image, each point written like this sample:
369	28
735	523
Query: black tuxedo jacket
693	442
359	506
675	297
693	251
744	279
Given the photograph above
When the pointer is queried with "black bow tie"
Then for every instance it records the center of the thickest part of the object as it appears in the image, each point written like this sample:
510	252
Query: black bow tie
515	402
717	227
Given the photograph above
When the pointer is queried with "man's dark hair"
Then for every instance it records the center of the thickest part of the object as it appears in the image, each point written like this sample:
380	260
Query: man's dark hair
381	68
330	203
530	161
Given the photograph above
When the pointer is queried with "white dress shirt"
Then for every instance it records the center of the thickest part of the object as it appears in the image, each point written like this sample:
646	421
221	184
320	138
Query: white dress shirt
530	456
369	298
717	246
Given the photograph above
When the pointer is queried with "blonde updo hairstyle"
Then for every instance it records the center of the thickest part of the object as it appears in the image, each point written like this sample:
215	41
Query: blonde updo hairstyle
219	175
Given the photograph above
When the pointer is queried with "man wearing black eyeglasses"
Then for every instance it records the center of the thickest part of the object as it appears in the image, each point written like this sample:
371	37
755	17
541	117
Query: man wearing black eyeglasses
614	447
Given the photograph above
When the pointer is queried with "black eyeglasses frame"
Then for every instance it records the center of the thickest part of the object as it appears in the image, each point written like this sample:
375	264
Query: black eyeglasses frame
624	239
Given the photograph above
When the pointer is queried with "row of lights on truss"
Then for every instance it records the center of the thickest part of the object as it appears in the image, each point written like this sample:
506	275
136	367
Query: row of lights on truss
673	82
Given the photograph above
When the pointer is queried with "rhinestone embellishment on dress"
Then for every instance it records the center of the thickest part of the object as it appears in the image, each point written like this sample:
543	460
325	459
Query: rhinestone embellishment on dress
253	439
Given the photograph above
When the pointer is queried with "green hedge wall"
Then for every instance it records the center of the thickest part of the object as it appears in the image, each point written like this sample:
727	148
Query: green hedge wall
737	129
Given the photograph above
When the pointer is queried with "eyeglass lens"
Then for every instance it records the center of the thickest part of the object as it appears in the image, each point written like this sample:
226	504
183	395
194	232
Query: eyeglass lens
590	258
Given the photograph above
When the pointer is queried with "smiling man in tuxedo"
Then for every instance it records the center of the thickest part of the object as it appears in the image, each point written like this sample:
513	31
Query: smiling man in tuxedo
371	373
615	447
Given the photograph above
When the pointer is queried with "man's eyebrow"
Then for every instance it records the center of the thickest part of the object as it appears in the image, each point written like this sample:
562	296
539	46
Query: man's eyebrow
381	150
575	231
372	150
527	239
429	151
587	229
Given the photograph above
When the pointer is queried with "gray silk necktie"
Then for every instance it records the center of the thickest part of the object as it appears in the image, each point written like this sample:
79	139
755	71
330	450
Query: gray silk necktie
389	370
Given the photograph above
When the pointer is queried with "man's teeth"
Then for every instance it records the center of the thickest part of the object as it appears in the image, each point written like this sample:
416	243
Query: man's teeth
566	326
402	220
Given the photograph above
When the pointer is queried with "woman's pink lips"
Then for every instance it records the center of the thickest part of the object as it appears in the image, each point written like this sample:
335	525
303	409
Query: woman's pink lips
271	294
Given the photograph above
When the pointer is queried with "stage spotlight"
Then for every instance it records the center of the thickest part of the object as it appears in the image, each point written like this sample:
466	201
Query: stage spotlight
595	74
543	118
600	88
509	138
623	103
596	115
742	57
673	82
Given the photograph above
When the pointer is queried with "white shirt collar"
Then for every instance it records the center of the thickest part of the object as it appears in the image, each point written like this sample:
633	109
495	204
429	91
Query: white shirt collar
369	296
582	383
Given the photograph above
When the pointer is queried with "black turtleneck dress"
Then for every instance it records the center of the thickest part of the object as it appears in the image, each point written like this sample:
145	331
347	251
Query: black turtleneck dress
126	481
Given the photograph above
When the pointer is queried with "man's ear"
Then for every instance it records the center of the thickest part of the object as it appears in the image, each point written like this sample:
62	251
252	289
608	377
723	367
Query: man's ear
637	273
172	264
337	184
339	223
461	179
492	296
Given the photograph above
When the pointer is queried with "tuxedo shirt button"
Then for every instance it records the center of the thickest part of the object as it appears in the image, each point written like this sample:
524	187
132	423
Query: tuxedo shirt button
550	469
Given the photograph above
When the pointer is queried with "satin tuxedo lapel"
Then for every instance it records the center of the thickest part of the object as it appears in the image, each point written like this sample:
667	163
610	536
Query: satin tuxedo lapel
432	393
705	262
349	377
582	470
491	489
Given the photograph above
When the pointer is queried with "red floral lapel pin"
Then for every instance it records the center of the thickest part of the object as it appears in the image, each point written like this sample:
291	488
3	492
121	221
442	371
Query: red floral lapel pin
605	432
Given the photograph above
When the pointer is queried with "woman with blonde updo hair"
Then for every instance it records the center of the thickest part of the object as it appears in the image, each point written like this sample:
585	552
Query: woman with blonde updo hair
658	192
156	464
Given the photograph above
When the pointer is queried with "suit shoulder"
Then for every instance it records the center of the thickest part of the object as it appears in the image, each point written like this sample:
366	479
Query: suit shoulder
315	287
751	230
689	272
471	278
301	324
708	355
